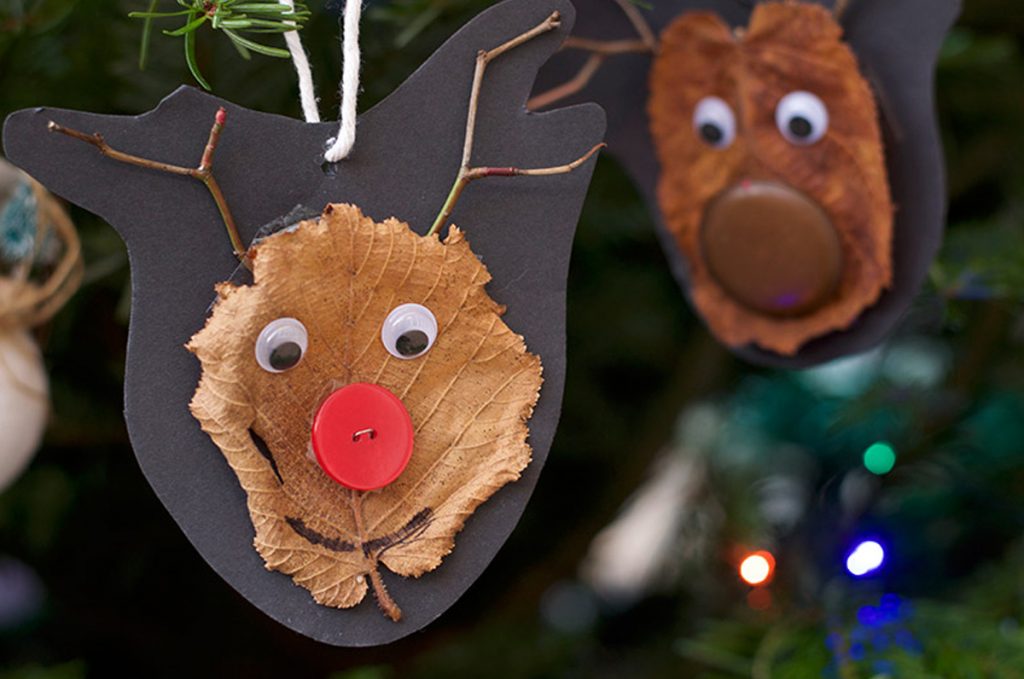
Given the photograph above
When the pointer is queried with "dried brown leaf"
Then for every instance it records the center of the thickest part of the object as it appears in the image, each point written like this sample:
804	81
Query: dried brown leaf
788	46
469	398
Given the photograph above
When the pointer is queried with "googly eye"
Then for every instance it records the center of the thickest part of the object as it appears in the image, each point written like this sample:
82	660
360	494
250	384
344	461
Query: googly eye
281	345
409	331
802	118
714	122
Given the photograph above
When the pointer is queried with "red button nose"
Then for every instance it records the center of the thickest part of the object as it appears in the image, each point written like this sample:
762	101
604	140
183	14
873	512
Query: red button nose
362	436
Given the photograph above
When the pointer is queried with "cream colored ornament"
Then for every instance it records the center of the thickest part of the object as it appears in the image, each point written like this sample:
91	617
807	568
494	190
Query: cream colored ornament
24	402
40	268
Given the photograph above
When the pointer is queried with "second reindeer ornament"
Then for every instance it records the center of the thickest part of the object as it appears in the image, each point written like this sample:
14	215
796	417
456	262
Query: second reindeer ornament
788	150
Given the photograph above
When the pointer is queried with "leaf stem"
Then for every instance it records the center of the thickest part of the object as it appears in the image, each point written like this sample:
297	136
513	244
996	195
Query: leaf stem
380	590
203	173
384	600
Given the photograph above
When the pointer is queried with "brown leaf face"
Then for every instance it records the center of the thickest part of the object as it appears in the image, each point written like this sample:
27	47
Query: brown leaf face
469	398
788	236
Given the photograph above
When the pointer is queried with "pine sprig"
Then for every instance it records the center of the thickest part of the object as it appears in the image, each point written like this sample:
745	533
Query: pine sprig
234	18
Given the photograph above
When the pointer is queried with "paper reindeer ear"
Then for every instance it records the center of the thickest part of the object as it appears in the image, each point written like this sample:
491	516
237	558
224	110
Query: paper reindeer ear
406	156
838	264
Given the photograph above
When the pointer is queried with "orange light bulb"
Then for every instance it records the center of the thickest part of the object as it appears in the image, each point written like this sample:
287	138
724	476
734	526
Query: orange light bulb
757	568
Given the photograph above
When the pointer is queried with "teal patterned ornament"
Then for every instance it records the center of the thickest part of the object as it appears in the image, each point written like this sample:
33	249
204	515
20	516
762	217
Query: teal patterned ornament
34	283
18	224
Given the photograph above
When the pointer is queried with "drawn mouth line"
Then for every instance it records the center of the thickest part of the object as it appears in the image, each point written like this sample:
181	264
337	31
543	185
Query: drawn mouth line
264	449
375	547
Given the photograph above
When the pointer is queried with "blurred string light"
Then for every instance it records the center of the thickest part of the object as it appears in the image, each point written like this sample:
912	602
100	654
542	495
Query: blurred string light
757	568
917	363
782	500
846	377
760	598
640	548
569	607
22	594
880	458
879	633
867	557
857	491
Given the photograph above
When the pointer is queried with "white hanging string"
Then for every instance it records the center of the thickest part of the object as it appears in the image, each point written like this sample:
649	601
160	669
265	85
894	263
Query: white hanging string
349	83
306	94
341	146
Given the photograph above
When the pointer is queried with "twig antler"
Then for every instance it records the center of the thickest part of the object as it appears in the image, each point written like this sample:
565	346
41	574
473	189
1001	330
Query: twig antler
599	50
204	172
640	24
467	173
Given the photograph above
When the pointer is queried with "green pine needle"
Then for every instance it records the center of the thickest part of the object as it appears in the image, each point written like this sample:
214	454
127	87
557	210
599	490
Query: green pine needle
257	47
147	31
190	27
190	59
234	19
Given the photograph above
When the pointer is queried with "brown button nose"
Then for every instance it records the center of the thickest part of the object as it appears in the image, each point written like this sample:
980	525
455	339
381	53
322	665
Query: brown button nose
771	248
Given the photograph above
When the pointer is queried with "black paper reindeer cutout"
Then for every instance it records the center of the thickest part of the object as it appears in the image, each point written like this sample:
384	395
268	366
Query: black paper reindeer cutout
896	43
407	153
